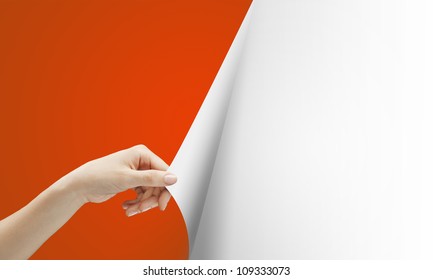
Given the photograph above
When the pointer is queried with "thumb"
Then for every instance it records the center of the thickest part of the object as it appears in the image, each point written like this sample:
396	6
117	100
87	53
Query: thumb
151	178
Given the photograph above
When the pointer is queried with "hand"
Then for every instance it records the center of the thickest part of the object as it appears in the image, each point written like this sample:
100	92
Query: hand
134	168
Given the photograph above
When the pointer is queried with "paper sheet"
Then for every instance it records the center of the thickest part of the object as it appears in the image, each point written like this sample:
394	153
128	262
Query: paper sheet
326	150
195	159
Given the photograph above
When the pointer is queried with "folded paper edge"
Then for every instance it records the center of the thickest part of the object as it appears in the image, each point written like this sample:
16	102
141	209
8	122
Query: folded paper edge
193	163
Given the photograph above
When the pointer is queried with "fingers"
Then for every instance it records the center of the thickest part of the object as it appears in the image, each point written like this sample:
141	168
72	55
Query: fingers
156	192
164	198
140	196
150	178
149	196
147	175
148	193
142	206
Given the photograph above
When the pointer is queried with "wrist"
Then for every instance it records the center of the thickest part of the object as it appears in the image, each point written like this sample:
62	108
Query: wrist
68	187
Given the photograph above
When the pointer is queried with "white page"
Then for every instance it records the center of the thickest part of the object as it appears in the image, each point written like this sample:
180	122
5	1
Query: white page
327	149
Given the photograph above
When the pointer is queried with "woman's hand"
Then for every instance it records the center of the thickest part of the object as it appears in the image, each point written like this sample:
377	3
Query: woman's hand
134	168
23	232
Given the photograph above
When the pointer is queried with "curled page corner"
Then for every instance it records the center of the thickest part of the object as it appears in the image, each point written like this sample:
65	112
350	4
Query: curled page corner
193	163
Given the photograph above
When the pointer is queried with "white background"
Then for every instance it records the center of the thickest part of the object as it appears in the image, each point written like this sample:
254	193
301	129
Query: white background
327	149
133	270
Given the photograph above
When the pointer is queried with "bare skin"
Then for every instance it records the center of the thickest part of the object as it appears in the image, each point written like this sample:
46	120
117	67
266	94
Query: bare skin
23	232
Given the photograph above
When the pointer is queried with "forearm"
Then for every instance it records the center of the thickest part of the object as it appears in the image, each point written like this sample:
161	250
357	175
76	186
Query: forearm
22	233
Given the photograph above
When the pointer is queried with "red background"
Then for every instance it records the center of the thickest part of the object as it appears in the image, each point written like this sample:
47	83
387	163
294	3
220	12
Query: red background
82	79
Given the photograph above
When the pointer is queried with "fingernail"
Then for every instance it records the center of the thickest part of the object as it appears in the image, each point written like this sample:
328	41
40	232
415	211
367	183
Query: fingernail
133	213
170	179
163	209
150	207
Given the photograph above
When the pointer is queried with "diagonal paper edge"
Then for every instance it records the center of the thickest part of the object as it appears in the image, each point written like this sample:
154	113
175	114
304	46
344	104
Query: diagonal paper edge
193	163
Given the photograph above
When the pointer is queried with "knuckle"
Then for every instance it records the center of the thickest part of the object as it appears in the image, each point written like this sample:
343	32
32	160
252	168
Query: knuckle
148	177
140	147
